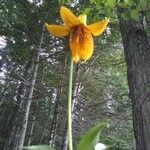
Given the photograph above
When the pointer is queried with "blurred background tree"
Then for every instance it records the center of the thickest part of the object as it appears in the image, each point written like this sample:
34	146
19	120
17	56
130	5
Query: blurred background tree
34	74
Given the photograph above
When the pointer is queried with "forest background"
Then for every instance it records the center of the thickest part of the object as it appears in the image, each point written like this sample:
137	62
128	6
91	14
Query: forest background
113	86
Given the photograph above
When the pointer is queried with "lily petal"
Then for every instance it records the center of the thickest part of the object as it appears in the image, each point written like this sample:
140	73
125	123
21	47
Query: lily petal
68	17
81	43
83	18
98	27
57	30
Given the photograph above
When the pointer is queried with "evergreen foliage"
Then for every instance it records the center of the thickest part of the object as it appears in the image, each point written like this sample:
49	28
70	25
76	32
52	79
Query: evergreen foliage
101	91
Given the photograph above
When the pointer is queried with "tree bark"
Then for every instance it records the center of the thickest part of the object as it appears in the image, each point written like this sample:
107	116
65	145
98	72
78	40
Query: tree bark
33	123
137	55
57	107
28	104
12	114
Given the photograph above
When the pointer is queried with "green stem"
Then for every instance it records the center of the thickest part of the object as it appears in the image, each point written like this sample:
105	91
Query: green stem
70	106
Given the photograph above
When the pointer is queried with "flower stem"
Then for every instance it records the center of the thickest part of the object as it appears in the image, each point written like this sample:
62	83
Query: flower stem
70	106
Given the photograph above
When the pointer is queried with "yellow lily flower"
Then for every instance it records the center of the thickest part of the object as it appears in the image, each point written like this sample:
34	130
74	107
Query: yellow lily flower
81	39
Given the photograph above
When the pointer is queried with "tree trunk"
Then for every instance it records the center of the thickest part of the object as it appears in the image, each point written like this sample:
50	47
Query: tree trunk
28	104
8	125
56	128
33	123
57	99
137	54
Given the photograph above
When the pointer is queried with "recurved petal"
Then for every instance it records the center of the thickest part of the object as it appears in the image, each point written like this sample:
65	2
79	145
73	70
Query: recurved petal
81	43
83	18
57	30
68	17
98	27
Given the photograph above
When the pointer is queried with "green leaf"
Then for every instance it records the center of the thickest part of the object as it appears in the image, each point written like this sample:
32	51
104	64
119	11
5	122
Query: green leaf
87	11
143	4
110	3
38	147
135	14
91	138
